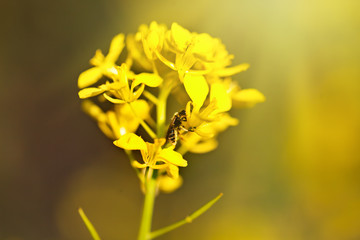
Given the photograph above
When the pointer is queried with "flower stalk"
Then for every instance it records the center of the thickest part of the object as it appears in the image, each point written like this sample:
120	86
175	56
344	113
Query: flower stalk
194	69
89	225
148	208
188	219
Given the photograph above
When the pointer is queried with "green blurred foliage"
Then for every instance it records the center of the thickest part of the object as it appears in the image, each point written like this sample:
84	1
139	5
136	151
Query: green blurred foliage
290	170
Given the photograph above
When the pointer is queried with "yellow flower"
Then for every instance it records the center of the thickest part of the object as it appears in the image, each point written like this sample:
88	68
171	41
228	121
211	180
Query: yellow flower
203	139
136	55
198	59
120	91
103	65
205	122
121	120
198	54
152	38
219	102
153	155
144	45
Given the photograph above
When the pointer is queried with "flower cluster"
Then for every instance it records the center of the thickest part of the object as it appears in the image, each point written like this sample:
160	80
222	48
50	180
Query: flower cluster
157	62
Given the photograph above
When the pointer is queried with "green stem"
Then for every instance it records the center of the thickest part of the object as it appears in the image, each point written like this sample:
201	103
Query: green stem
151	97
161	111
150	174
150	192
89	225
132	159
188	219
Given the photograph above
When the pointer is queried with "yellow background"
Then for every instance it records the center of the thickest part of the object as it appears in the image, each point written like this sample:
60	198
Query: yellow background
290	170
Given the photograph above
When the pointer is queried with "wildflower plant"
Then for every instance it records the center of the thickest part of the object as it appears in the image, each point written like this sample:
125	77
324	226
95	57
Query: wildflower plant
127	93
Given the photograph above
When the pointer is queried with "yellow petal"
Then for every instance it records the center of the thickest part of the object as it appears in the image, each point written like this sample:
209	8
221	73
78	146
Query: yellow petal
89	77
137	93
205	47
136	164
226	72
172	171
92	109
114	123
116	46
131	141
149	79
98	59
224	121
105	128
123	77
168	184
170	156
153	40
205	146
141	107
248	97
197	88
181	36
136	53
205	130
113	100
89	92
127	120
222	98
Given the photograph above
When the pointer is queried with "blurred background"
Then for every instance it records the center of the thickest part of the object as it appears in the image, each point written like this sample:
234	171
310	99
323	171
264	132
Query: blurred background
290	170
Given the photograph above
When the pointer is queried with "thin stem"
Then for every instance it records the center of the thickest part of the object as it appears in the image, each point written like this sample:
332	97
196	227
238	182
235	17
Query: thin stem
150	174
132	159
151	97
150	191
188	219
161	110
165	61
143	124
154	68
89	225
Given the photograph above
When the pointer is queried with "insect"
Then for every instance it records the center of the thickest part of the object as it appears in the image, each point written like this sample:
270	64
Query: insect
176	127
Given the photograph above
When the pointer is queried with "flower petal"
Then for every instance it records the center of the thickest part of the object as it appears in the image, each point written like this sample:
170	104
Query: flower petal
93	110
113	100
172	171
116	46
149	79
205	146
223	99
197	88
226	72
153	40
168	184
90	92
105	128
141	107
206	130
205	46
130	141
89	77
173	157
181	36
137	93
136	164
248	97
